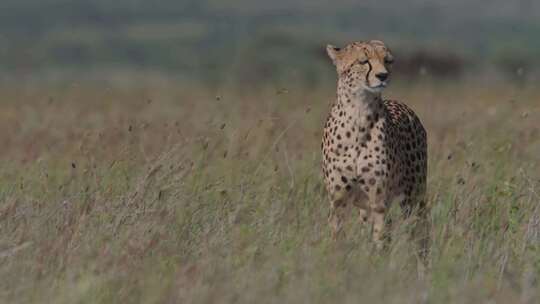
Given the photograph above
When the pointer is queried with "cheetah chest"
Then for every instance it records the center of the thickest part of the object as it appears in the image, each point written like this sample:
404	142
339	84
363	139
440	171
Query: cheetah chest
355	152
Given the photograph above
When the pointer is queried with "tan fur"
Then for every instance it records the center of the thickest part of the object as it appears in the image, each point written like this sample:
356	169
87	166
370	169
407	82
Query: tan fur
374	150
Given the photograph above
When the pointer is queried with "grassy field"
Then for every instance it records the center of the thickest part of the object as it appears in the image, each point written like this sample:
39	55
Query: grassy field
158	193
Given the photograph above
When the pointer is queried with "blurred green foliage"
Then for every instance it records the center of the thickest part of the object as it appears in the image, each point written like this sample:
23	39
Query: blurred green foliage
257	40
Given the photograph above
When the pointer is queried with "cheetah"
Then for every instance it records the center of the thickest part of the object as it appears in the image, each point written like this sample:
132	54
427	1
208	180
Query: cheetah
374	150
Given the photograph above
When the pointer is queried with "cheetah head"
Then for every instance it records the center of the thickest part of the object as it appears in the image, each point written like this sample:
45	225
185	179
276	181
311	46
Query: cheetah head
362	65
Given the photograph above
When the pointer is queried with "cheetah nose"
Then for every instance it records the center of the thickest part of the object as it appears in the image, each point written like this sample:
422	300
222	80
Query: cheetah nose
382	76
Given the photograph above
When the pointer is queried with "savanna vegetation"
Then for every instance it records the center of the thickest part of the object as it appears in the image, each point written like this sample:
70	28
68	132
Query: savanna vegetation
159	193
169	151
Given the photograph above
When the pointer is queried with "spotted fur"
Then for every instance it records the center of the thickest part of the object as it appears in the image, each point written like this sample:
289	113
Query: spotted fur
374	150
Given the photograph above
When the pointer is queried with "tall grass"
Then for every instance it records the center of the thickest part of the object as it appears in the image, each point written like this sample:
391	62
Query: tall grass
159	194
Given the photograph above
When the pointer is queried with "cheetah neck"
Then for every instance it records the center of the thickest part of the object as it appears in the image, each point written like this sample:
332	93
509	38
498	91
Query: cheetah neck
364	106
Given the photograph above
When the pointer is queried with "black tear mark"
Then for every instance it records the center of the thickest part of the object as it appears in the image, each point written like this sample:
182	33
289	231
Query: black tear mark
369	71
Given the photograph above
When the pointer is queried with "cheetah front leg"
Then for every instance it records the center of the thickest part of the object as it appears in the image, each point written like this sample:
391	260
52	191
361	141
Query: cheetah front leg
338	203
377	219
363	216
360	201
378	208
335	219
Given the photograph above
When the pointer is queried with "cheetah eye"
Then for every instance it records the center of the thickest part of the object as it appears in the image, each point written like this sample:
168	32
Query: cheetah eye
363	61
388	60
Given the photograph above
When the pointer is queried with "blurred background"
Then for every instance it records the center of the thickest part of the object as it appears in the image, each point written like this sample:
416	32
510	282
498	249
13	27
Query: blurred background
230	42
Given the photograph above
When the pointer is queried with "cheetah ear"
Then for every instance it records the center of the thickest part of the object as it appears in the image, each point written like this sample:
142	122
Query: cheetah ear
333	52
